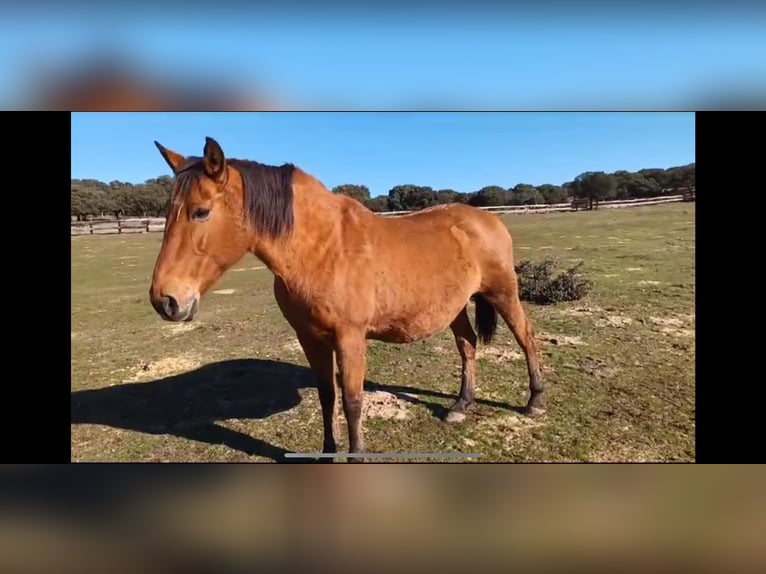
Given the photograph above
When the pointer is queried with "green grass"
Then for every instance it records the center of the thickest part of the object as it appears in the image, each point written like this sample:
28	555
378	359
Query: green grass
233	385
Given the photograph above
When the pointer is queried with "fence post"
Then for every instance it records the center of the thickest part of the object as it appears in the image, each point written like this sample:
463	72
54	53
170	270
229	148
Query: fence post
119	227
90	228
147	226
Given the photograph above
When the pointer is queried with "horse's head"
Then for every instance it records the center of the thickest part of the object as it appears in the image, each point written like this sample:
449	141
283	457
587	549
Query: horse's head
206	231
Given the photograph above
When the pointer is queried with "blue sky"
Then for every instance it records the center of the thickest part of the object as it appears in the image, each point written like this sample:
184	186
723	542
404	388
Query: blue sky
462	151
615	57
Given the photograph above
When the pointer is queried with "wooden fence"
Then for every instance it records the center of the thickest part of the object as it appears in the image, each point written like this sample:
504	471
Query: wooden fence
152	224
560	207
115	226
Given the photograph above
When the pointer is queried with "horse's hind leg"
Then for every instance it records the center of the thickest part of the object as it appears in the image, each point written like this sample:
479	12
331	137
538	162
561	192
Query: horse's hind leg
505	300
465	338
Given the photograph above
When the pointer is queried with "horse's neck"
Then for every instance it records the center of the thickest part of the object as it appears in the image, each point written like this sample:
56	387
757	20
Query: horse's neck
316	216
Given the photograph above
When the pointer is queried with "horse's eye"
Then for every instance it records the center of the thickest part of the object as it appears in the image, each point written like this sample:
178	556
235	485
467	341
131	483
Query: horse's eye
200	214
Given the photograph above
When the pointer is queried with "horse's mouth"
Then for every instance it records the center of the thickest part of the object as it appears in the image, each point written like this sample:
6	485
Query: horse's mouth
193	311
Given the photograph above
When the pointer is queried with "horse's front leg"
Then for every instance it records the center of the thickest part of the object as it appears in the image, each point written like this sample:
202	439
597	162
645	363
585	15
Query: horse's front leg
351	350
320	357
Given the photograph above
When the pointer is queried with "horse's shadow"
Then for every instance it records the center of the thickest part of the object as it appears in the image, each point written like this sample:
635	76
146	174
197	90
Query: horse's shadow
190	404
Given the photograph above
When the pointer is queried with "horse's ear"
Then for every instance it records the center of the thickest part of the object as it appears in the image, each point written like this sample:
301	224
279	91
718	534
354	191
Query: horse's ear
213	159
174	160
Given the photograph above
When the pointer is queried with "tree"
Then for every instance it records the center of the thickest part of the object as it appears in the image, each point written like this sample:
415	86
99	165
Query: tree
525	194
491	195
595	186
681	176
166	183
446	196
142	200
88	200
410	197
81	203
657	178
624	184
377	204
552	194
359	192
572	188
636	185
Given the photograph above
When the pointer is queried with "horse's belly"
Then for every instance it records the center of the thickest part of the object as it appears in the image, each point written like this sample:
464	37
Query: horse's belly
396	335
412	327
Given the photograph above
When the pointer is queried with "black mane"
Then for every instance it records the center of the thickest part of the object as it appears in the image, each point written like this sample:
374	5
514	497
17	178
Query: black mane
268	192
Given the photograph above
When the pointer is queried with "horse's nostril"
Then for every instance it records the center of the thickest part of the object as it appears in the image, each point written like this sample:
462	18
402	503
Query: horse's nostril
169	305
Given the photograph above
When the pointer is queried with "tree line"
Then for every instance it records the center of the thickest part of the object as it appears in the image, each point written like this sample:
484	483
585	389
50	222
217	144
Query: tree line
90	197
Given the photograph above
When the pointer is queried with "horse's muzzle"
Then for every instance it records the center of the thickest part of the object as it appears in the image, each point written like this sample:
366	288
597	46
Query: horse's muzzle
170	309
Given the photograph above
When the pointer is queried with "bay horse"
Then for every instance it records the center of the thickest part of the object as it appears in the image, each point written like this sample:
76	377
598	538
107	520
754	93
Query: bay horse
342	274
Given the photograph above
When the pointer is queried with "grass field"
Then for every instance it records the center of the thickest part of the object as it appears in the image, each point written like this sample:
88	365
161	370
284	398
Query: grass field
234	385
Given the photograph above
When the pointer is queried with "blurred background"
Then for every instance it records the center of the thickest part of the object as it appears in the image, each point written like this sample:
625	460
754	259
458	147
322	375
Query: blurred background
401	518
394	55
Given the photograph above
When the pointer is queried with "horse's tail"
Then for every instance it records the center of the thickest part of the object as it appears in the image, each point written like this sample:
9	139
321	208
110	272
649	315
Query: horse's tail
486	319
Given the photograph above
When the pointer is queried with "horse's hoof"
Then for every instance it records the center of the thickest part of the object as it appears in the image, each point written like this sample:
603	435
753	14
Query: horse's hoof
533	411
454	417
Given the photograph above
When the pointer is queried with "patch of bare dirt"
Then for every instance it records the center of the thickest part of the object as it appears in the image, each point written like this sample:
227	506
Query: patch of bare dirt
678	332
380	404
632	269
172	329
557	339
164	367
498	354
667	321
580	311
439	350
614	321
675	325
224	291
649	282
510	427
601	371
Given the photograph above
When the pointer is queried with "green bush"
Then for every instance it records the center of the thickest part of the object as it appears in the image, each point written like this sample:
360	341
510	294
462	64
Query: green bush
537	283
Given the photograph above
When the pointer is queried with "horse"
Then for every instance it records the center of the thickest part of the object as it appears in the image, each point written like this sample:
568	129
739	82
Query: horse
343	275
113	85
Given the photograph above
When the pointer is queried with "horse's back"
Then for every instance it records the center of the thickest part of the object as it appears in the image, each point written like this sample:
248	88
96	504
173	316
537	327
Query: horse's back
452	226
